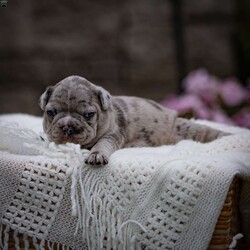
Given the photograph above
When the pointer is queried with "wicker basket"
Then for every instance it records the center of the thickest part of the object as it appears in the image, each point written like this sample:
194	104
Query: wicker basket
228	222
227	225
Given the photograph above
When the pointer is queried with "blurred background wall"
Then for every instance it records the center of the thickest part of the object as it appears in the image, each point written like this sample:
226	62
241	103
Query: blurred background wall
141	47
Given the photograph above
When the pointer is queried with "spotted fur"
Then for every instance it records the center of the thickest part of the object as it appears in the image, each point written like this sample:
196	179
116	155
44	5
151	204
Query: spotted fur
88	115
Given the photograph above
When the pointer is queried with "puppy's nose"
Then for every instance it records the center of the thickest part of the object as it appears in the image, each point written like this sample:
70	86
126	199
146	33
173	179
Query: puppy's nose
69	130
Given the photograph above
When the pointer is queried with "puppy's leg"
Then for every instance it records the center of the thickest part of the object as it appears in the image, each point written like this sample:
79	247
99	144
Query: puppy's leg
136	144
101	151
186	129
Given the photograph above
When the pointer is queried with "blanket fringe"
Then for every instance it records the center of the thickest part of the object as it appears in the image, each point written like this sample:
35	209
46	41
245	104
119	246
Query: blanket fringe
1	233
26	242
102	228
235	240
6	238
16	239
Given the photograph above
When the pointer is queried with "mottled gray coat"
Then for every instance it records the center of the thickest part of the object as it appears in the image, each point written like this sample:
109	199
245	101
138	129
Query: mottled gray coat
78	111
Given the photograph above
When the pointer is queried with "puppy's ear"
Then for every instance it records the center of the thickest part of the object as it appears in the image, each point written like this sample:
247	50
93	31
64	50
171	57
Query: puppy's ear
45	97
104	97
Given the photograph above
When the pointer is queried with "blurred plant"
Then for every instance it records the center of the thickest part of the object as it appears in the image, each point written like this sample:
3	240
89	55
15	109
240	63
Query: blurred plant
207	97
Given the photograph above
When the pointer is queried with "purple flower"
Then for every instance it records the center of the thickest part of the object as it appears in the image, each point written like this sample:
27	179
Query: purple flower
207	97
242	118
232	93
218	115
186	104
202	112
202	84
182	104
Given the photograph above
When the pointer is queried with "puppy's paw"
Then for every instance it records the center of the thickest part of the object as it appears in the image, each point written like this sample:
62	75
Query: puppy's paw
97	158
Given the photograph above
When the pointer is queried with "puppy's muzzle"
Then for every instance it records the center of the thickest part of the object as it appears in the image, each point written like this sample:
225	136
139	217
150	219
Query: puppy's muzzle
69	130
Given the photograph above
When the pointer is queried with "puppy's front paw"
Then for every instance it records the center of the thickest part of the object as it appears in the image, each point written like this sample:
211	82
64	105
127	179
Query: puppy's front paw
97	158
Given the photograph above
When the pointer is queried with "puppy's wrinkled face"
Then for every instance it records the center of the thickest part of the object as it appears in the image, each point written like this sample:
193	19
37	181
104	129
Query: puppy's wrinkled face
72	110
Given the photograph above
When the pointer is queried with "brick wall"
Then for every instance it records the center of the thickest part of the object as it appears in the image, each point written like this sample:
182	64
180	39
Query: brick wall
126	46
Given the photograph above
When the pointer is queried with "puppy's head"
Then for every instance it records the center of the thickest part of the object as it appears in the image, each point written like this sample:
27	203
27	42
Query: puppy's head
76	111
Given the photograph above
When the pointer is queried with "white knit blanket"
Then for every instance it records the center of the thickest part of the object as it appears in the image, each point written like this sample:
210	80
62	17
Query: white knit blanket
167	197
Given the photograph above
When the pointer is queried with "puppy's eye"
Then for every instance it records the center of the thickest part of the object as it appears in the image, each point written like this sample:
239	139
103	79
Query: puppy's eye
89	115
51	113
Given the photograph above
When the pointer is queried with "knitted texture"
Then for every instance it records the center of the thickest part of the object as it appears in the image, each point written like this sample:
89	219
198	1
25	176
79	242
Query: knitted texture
152	198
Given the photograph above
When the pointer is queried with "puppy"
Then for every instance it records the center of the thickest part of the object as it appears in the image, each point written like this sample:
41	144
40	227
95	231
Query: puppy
77	111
